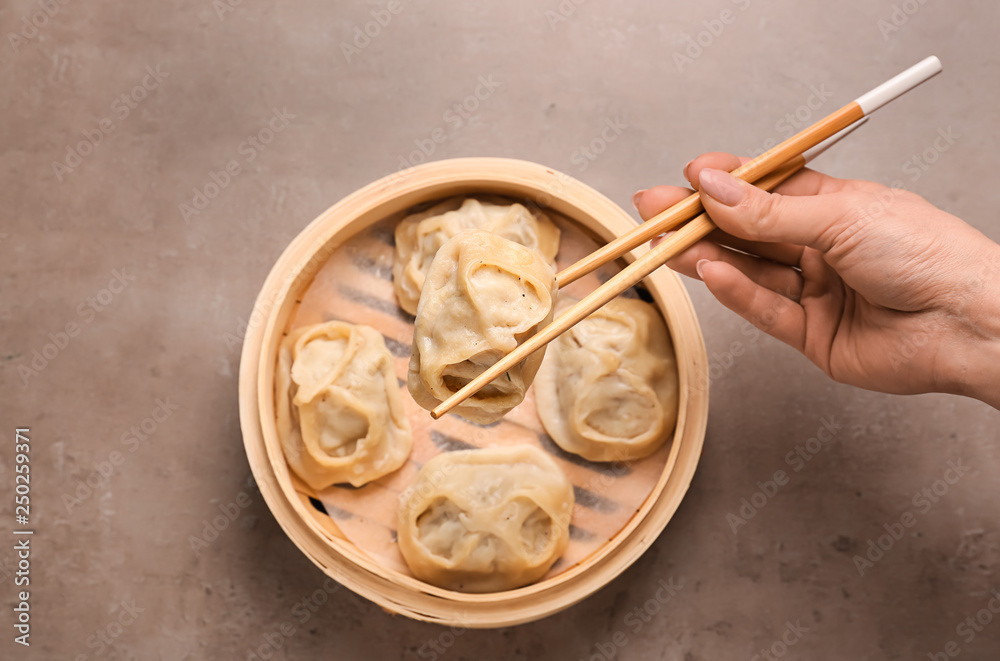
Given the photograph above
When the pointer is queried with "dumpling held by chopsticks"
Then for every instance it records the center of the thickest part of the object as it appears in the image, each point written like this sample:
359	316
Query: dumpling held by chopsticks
419	236
483	296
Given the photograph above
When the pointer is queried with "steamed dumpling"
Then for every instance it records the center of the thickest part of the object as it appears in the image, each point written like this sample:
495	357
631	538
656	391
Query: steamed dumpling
483	297
421	235
607	389
485	520
339	410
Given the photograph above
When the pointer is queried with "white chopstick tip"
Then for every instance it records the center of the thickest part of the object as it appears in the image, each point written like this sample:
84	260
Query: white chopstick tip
900	84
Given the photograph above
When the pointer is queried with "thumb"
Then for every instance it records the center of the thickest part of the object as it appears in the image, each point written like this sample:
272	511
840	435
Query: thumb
748	212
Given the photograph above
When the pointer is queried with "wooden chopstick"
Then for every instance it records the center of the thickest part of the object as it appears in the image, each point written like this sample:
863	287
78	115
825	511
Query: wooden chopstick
767	170
685	237
757	168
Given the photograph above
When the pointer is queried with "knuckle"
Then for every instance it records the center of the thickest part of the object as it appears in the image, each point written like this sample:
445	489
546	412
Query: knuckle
857	211
764	214
862	186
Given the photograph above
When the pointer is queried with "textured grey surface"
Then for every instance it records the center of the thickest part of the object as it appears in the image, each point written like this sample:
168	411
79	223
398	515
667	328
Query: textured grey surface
560	71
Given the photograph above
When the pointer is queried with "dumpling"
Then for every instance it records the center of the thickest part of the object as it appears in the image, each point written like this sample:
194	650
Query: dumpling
485	520
339	411
484	295
607	389
421	235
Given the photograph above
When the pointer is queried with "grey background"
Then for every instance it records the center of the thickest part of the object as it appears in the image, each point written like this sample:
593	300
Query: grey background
563	69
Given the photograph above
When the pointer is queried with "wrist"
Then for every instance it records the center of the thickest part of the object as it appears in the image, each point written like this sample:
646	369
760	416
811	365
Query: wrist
974	369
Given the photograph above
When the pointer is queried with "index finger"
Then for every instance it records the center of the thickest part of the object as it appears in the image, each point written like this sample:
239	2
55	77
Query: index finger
804	182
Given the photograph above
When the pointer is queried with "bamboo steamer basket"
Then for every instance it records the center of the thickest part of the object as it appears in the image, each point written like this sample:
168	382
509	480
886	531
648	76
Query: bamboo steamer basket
318	536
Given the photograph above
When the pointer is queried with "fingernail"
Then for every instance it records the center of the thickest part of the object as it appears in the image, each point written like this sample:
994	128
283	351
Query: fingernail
685	170
636	197
723	186
699	267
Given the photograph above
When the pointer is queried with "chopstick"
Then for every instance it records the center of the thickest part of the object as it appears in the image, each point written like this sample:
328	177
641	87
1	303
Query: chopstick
767	170
755	169
685	237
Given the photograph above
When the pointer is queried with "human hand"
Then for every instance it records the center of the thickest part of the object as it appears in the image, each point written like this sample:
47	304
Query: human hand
876	286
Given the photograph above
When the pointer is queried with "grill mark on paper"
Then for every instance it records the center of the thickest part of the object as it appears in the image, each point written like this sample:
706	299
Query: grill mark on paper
371	266
593	501
446	443
385	307
614	469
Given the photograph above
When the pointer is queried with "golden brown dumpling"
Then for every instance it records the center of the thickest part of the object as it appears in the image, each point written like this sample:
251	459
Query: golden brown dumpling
420	236
484	295
485	520
339	411
607	389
